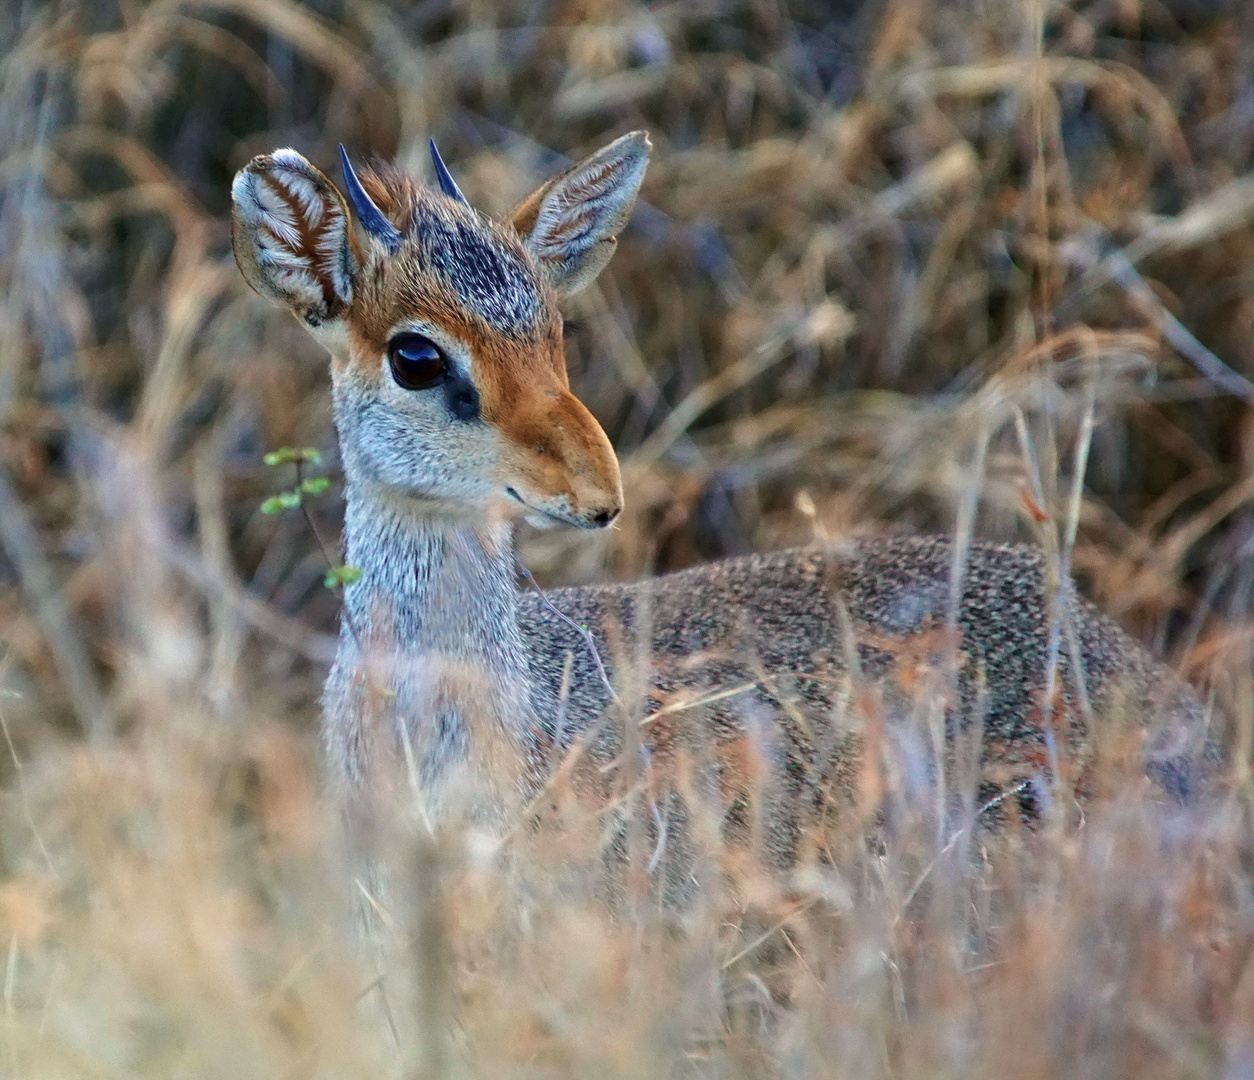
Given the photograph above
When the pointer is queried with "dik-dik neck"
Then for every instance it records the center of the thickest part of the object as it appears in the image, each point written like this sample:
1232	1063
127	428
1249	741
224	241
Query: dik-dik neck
433	624
431	581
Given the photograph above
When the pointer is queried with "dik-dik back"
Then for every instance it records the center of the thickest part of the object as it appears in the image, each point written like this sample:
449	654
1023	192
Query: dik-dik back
766	685
785	670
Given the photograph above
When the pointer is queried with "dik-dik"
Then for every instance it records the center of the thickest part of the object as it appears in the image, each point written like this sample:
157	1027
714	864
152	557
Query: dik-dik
456	417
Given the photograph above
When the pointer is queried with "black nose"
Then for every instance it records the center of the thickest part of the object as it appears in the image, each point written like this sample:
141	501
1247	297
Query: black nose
604	517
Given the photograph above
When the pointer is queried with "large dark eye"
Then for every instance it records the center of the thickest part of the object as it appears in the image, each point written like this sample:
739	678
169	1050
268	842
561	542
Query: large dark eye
417	362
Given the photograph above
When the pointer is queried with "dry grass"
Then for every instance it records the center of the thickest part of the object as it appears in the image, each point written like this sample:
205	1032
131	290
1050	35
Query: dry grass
900	265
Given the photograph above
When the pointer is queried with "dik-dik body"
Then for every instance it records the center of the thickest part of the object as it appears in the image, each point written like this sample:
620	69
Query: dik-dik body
455	418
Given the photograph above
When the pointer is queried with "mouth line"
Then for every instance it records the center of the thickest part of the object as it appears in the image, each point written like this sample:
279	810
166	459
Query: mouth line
546	513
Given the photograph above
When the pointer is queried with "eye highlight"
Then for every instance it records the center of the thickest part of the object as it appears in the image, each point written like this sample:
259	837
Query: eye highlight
416	361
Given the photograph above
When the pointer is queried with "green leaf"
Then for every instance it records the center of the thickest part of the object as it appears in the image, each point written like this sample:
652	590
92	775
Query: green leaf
342	575
284	500
315	485
289	455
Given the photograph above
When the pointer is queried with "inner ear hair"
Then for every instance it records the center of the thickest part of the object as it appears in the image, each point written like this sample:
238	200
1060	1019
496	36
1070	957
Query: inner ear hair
570	223
291	237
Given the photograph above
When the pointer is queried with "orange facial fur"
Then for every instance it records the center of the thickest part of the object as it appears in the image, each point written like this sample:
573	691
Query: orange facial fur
555	447
497	421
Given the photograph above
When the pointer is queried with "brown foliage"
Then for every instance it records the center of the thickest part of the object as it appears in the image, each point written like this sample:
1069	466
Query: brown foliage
905	264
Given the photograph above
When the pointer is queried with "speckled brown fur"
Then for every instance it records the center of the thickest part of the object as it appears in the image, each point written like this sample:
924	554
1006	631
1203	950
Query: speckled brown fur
791	622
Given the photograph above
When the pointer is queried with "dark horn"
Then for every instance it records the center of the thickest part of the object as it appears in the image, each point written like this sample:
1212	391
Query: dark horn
370	216
447	184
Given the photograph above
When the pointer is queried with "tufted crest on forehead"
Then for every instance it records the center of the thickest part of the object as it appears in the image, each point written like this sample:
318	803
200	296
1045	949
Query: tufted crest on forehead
481	263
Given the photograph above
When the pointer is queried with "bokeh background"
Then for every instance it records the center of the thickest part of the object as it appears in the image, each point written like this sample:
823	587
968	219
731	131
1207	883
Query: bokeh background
898	265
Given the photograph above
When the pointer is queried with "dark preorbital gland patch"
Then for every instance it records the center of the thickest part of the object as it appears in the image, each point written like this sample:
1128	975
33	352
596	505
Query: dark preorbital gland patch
461	398
493	281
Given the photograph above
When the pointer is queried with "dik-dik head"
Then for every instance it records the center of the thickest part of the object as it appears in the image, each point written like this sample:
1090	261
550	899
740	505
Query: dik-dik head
448	369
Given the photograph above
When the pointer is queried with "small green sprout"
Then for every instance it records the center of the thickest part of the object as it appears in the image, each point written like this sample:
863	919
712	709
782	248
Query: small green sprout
284	500
312	486
291	455
341	575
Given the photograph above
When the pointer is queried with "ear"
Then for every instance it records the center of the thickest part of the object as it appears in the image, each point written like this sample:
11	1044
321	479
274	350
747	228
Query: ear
290	233
570	223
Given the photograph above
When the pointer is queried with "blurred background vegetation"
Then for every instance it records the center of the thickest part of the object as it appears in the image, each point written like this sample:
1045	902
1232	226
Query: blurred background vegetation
897	265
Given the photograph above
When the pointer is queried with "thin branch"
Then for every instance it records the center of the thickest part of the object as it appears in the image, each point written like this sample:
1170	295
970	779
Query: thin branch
20	773
1181	339
582	631
326	552
21	544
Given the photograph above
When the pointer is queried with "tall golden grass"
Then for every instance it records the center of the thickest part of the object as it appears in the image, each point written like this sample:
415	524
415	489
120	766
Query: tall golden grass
907	264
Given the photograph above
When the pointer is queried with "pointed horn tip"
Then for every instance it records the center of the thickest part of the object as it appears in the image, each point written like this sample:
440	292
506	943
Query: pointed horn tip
346	167
445	179
372	219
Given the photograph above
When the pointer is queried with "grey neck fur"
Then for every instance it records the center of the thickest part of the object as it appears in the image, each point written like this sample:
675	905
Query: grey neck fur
436	614
434	583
